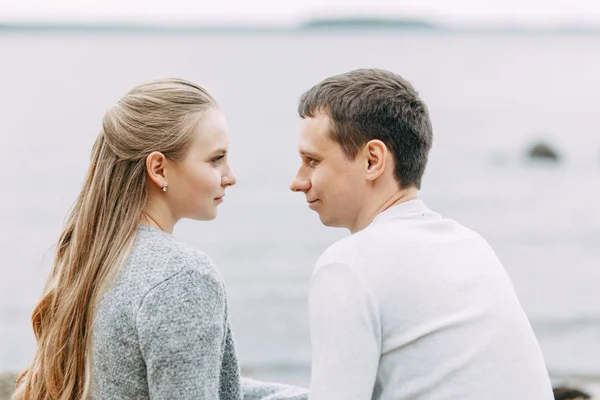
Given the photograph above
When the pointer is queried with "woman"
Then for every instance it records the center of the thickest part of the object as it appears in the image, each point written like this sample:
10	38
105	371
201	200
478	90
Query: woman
129	312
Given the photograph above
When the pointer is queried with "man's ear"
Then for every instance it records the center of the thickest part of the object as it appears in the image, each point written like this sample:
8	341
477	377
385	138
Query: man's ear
156	168
376	154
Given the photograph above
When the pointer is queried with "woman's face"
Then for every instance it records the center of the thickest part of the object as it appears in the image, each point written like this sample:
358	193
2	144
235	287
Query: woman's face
196	185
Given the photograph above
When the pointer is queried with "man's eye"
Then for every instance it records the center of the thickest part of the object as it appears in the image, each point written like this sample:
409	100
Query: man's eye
311	162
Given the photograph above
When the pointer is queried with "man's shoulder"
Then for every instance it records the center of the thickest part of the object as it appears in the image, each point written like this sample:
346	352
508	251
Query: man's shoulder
402	238
341	252
350	249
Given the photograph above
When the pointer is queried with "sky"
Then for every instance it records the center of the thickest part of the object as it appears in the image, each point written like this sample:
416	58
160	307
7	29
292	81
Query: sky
530	12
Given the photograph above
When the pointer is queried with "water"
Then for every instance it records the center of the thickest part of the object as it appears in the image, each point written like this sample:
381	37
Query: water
490	96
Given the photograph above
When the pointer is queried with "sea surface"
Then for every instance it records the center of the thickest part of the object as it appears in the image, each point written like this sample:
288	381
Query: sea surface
491	96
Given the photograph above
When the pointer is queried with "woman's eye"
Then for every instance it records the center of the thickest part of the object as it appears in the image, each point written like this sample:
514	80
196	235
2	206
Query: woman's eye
217	159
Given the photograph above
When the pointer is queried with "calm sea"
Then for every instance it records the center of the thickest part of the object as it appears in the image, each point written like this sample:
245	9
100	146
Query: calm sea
490	96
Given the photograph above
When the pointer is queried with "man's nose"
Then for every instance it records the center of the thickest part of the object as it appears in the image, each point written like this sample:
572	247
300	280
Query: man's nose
300	183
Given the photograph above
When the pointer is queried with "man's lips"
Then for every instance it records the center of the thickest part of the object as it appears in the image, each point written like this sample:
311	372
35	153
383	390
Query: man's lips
313	203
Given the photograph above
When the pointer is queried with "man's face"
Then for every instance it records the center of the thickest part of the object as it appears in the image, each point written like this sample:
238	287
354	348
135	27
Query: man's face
333	184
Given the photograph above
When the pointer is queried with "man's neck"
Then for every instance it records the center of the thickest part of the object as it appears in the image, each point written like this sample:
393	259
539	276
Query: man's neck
385	202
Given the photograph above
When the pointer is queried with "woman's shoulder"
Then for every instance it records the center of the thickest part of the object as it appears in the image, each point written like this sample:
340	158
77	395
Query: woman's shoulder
161	268
187	258
151	242
158	256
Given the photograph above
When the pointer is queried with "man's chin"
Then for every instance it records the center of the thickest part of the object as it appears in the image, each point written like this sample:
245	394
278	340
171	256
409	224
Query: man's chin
330	222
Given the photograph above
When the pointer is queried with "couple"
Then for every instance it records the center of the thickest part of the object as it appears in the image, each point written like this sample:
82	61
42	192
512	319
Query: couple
409	306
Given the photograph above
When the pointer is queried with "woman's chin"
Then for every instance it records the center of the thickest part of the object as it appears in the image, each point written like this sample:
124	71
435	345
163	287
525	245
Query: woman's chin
206	215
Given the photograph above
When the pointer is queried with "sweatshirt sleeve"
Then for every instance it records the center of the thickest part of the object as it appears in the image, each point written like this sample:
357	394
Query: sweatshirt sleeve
345	335
181	328
258	390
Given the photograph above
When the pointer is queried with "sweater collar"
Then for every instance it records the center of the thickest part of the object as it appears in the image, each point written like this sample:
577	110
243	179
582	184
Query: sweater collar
406	210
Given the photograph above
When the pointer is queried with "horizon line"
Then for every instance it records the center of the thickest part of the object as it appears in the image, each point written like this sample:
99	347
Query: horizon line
308	24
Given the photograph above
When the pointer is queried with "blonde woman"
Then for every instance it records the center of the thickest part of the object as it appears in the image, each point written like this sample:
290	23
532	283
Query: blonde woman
128	311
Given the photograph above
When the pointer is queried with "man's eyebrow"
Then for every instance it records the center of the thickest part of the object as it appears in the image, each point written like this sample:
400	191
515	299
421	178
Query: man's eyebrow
308	153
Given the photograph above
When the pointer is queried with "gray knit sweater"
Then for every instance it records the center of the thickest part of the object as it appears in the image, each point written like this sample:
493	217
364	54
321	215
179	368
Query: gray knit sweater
161	331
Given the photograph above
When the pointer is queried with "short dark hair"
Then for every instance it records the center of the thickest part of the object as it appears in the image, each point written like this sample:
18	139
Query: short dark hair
368	104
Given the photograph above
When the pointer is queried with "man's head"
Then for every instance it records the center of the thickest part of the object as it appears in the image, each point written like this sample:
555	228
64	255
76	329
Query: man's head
365	136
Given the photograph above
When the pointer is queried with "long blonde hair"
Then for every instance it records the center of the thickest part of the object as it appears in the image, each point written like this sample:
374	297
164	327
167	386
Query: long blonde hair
156	116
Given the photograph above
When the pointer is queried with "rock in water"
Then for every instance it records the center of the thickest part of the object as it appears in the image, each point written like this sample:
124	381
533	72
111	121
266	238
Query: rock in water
567	393
543	151
7	385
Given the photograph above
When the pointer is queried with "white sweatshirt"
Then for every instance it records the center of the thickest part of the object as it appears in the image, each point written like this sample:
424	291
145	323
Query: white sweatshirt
415	307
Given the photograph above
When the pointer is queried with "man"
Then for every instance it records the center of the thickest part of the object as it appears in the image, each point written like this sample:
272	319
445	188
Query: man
411	305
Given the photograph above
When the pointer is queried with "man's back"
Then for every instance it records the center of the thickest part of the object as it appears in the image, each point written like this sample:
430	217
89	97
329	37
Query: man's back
418	307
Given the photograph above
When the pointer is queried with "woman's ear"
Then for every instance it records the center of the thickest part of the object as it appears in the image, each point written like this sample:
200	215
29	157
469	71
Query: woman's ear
156	169
376	157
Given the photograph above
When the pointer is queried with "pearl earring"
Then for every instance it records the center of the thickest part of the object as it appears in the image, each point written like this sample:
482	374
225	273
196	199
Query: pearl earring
164	188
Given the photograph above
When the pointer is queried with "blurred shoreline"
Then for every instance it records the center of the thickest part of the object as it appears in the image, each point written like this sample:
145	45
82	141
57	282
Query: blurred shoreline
300	377
7	385
320	25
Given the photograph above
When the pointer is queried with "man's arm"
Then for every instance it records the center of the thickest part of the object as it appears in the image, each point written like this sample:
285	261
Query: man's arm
345	335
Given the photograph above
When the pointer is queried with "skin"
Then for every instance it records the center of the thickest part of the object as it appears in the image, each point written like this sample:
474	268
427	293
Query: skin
345	193
196	185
